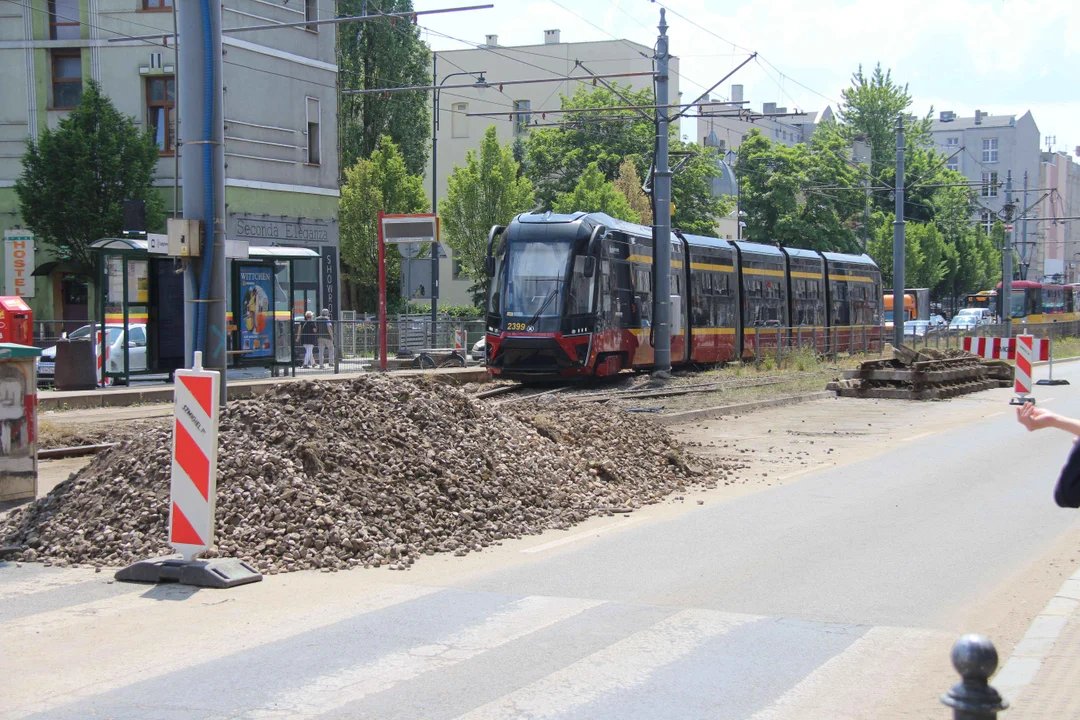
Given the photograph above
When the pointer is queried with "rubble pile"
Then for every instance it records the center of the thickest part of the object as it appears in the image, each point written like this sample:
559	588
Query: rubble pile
376	471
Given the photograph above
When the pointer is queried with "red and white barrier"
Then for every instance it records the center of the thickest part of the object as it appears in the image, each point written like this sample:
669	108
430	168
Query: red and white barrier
1024	353
994	348
102	359
194	466
459	339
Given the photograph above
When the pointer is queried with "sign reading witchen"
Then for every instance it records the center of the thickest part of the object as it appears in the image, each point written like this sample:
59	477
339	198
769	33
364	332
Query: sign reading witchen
18	263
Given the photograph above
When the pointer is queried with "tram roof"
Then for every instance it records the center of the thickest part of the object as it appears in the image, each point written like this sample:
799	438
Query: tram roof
863	259
803	253
705	241
758	248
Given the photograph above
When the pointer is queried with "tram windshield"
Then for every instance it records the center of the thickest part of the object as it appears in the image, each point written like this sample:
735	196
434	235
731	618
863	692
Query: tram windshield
1017	303
531	280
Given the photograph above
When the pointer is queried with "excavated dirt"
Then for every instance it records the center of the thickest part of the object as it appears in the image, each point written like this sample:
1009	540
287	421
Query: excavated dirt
376	471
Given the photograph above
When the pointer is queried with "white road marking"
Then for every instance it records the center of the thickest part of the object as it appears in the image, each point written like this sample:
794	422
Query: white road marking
1038	642
43	582
849	685
148	637
995	414
582	535
812	468
331	692
917	437
624	664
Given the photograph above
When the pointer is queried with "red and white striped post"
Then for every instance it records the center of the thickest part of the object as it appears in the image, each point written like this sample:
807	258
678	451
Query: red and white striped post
194	466
1024	352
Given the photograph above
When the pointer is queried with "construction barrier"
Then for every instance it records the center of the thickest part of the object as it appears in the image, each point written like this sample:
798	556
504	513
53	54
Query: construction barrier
994	348
1024	353
102	359
194	466
459	339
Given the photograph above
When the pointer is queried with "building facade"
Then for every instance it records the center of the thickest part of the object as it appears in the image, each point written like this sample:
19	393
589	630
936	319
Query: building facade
728	132
280	102
986	149
1057	253
519	108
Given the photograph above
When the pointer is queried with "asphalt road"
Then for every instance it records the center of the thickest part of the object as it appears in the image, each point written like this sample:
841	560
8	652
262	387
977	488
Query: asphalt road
813	599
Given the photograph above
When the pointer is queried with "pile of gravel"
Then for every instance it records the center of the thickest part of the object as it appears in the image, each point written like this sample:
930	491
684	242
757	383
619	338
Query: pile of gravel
375	471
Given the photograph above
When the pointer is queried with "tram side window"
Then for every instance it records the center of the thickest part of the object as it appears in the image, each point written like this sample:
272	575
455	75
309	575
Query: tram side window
643	294
580	297
623	291
841	305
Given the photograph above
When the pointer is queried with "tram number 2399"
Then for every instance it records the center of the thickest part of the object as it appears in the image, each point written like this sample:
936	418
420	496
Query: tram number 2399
515	326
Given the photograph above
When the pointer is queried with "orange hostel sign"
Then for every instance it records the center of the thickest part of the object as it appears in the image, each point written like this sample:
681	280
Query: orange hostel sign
18	263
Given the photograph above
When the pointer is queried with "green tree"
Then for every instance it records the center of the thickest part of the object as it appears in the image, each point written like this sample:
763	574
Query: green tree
76	178
595	194
378	54
629	184
381	182
488	190
556	158
799	196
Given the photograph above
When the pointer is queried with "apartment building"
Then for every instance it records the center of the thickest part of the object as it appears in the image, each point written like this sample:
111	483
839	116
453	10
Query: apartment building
1057	249
985	149
519	108
280	100
720	128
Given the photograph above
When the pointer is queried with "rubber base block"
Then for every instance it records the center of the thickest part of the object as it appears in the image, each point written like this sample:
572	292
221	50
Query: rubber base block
216	573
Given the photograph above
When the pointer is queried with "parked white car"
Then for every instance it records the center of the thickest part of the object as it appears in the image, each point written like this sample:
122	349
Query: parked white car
114	339
982	316
964	322
479	350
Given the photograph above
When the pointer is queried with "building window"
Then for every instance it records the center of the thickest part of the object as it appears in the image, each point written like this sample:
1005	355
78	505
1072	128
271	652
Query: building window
64	19
990	150
952	142
161	112
953	164
459	120
522	119
987	222
311	14
66	79
314	139
989	184
156	5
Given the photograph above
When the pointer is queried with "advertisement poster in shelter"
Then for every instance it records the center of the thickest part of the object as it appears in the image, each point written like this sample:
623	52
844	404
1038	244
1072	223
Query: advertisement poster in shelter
256	313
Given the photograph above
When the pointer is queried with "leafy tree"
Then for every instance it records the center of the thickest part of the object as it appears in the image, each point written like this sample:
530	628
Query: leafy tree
778	191
557	158
487	191
629	184
378	54
381	182
76	178
595	194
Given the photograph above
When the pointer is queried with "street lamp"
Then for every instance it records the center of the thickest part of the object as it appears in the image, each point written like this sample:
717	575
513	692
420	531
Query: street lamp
481	84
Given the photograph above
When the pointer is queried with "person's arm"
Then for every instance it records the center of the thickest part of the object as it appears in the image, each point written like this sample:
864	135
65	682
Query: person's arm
1036	418
1067	491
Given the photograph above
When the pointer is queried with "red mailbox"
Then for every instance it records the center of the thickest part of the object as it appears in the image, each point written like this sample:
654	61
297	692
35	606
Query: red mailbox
16	321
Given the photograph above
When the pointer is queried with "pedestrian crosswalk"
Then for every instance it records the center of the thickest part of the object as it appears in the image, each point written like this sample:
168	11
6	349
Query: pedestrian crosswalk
352	645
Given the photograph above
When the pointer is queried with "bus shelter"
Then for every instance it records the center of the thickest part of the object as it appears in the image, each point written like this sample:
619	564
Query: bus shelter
140	323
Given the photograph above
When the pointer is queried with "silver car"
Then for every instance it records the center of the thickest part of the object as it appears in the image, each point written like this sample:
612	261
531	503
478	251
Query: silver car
479	350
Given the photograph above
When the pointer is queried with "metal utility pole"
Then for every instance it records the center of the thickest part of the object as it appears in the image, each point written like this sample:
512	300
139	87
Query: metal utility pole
662	215
203	165
1007	259
898	240
1025	251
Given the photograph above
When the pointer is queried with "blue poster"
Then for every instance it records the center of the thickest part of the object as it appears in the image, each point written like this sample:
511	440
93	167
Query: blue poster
256	316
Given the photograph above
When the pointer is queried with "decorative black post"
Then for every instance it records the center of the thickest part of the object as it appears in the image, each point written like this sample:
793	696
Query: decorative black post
976	659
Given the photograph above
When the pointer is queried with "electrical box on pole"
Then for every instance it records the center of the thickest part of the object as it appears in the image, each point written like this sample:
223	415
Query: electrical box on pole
185	237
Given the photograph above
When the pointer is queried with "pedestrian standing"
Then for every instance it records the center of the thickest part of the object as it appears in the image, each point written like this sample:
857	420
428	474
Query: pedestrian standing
1067	492
326	338
306	335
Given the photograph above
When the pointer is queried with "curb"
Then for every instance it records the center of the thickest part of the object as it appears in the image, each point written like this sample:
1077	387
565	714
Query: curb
1017	674
1074	358
720	411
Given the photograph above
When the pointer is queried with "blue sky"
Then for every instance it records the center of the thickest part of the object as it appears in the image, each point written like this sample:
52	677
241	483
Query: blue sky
1000	56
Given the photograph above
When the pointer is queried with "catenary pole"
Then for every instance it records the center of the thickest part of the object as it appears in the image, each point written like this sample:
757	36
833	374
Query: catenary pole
898	240
1007	259
200	63
1025	253
662	215
435	199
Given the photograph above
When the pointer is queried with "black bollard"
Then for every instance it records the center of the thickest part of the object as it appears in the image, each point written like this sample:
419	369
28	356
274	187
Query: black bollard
976	659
